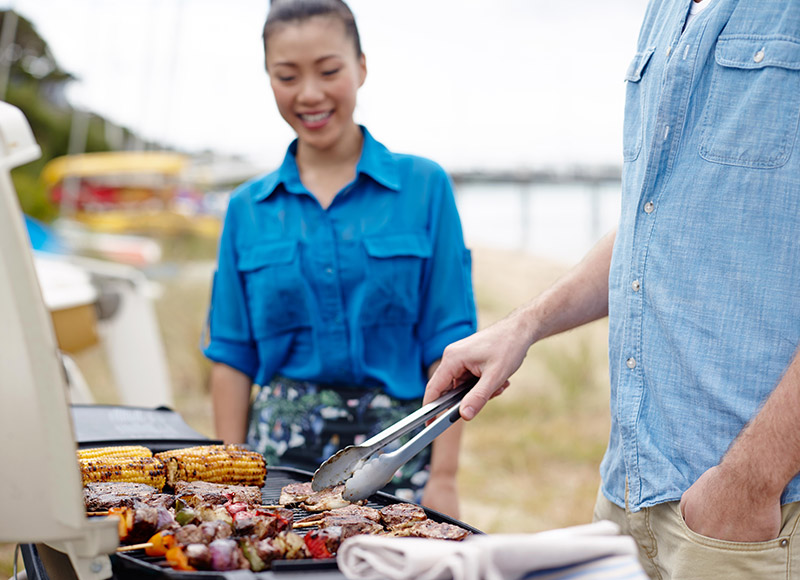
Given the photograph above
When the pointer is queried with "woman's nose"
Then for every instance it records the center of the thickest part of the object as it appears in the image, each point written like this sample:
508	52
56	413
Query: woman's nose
311	91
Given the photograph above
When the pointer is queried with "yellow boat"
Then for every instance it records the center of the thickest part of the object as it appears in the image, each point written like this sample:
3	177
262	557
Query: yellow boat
129	192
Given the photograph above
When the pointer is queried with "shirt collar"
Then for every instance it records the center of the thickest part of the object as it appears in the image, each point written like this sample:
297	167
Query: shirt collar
376	162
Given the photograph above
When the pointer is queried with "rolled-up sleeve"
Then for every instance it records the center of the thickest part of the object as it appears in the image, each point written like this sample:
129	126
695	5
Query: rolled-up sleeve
230	339
448	304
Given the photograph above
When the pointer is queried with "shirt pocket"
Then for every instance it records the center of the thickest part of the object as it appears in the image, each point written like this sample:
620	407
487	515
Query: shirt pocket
274	287
753	108
634	105
394	277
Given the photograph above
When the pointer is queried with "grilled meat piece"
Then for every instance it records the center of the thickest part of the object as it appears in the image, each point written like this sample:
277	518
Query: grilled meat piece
226	555
203	493
354	525
144	524
399	515
348	510
329	498
159	500
205	533
259	524
198	556
350	524
295	493
431	529
99	497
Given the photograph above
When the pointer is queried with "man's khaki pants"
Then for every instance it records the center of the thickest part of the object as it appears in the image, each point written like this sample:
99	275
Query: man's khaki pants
669	550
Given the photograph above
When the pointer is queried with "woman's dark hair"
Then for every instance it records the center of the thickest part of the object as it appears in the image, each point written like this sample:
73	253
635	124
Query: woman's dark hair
283	12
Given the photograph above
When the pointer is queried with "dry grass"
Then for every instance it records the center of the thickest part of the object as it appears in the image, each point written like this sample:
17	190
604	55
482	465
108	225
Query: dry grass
529	460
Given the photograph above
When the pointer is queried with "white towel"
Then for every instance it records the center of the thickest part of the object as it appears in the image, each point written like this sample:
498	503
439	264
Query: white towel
591	552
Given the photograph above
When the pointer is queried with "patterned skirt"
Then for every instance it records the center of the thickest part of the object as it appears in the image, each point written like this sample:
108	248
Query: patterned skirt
300	424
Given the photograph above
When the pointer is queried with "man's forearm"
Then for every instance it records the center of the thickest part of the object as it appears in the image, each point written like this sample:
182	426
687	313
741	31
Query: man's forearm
739	499
230	397
579	297
767	451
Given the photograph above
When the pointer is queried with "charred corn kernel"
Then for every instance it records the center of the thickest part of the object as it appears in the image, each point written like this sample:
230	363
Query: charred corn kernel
121	451
226	464
148	470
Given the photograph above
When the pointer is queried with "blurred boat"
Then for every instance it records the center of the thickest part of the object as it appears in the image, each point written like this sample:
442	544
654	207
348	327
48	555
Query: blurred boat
144	192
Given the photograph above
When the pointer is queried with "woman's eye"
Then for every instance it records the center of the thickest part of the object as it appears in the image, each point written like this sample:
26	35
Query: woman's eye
285	79
330	72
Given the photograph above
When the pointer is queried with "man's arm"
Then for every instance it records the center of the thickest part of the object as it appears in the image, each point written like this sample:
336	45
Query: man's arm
739	499
230	397
495	353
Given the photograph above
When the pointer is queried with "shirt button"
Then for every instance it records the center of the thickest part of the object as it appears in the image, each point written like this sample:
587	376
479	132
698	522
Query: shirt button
636	285
669	50
784	543
649	207
759	56
631	362
329	270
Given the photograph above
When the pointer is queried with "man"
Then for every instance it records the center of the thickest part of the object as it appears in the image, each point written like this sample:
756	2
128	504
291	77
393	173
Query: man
701	283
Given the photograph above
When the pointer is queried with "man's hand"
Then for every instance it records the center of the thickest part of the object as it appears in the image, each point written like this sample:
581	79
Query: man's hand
493	355
722	505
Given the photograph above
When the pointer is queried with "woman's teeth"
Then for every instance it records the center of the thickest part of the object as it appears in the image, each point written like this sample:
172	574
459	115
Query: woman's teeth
315	117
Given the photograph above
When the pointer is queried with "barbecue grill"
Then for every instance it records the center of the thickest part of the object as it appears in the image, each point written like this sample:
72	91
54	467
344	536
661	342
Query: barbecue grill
161	429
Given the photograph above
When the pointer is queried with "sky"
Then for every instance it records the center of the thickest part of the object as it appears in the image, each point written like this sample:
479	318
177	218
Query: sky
472	84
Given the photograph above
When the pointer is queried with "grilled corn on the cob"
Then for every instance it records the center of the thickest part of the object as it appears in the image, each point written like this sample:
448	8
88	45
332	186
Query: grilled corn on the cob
120	451
226	464
148	470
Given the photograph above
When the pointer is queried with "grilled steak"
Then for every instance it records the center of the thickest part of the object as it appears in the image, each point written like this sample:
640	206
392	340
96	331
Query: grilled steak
399	515
294	493
199	493
100	497
329	498
431	529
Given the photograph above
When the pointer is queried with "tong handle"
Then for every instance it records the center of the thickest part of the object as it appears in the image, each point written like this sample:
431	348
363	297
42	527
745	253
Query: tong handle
420	416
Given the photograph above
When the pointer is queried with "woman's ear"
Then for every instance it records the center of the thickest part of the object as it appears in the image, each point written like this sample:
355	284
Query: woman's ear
362	69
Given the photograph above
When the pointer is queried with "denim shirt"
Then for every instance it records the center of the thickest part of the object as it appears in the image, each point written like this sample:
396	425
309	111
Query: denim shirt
367	292
704	287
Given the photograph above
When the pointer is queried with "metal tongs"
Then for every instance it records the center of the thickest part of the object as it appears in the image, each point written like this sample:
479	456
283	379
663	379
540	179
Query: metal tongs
364	469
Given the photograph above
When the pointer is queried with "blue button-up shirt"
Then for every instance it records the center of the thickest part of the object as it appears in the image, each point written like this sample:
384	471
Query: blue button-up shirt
367	292
704	304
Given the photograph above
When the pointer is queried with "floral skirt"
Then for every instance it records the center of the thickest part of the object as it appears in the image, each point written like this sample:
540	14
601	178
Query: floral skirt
300	424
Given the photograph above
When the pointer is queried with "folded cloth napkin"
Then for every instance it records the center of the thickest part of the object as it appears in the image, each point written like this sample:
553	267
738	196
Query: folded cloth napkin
588	552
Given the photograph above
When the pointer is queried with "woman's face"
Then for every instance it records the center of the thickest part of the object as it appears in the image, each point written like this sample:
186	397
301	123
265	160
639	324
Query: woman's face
315	75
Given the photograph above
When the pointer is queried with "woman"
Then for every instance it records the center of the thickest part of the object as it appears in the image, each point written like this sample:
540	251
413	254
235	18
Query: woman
342	275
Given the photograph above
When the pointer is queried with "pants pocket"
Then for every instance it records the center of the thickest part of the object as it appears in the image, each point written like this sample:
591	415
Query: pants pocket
701	557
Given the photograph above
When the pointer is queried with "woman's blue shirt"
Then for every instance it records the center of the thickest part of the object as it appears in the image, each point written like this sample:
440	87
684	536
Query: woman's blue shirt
367	292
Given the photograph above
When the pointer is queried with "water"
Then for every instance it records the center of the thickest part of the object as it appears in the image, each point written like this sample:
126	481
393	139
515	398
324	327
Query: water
560	222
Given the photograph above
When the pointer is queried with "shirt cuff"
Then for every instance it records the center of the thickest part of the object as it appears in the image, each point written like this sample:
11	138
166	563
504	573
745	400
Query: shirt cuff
433	348
241	356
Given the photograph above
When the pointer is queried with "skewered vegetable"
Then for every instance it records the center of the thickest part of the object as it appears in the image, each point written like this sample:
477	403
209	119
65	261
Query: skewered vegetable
147	470
227	464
